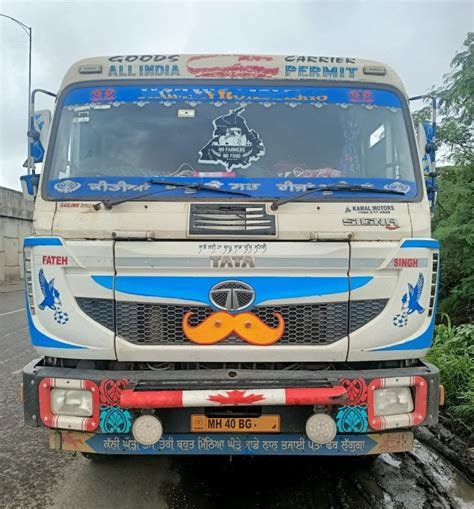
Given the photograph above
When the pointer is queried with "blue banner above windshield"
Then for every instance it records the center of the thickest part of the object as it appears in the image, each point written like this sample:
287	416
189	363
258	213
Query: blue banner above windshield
100	187
224	94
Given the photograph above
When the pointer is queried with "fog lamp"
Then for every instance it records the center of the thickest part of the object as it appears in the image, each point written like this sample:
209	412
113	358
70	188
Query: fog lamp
147	429
393	401
321	428
71	402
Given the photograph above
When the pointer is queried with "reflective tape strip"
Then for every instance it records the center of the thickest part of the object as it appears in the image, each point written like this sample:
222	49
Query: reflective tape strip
67	383
233	397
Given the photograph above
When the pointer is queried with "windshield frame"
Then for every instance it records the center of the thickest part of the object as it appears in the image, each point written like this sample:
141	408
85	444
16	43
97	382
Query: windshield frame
318	197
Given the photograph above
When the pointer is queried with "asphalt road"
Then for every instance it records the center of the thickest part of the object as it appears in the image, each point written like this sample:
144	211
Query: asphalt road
31	475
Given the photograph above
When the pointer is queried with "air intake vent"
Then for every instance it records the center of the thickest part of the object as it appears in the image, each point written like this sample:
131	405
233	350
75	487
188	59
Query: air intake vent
231	219
434	283
28	280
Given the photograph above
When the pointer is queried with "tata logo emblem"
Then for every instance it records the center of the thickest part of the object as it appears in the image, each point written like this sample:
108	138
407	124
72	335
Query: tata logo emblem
233	262
231	295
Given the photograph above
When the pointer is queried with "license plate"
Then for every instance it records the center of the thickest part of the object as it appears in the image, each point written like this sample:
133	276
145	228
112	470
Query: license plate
265	423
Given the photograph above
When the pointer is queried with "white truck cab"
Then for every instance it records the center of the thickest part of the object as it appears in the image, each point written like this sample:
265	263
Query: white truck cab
232	254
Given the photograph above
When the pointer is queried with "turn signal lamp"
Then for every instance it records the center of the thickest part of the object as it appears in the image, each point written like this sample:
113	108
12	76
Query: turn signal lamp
321	428
147	429
71	402
393	401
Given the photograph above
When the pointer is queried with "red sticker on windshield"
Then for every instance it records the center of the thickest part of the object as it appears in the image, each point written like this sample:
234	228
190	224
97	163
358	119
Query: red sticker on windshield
103	94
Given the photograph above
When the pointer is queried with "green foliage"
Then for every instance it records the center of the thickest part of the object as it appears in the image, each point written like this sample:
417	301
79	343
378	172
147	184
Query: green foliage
453	353
422	115
454	220
456	102
454	228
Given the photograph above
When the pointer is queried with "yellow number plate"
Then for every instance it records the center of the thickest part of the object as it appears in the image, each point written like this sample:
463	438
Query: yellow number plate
265	423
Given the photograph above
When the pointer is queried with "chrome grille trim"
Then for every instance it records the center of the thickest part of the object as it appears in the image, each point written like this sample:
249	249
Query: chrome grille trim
235	219
160	324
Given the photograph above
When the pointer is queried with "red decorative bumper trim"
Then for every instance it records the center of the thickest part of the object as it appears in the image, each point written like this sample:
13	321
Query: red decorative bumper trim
233	397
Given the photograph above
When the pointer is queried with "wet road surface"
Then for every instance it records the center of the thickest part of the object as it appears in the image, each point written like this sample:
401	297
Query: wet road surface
31	475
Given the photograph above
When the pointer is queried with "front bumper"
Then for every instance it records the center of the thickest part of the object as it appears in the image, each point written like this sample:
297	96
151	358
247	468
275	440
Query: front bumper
123	395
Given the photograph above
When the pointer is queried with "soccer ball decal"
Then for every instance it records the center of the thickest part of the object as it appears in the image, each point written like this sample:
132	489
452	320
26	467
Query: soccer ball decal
61	317
400	320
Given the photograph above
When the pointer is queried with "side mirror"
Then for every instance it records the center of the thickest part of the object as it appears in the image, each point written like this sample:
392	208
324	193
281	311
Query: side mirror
39	133
430	147
427	152
29	186
426	138
426	148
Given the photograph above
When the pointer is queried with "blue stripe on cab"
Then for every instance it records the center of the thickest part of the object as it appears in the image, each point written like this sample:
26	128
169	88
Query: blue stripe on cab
197	288
43	241
41	340
429	243
421	342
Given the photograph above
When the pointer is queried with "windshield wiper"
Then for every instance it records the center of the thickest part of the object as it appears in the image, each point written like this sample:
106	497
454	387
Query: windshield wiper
108	204
337	187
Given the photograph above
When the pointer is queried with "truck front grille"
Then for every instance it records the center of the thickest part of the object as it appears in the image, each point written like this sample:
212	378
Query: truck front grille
230	219
161	324
100	310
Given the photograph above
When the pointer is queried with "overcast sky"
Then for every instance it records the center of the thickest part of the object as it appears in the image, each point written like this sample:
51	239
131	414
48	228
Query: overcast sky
417	38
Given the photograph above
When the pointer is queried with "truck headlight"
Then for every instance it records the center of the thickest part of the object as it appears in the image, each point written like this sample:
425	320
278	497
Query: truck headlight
393	401
71	402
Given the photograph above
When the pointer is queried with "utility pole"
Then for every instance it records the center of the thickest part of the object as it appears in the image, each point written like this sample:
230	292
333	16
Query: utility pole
29	32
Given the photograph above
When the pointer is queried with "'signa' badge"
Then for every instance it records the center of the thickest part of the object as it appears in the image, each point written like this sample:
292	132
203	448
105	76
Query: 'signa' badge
390	223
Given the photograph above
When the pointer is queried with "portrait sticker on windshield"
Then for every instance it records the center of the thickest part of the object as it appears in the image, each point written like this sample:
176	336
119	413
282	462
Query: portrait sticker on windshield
233	144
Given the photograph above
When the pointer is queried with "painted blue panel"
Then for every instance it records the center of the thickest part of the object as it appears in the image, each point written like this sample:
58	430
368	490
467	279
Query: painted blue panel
41	340
429	243
419	343
43	241
233	444
232	94
108	186
197	288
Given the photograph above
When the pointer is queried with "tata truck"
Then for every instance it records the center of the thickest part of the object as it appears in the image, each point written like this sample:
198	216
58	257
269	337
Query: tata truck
231	255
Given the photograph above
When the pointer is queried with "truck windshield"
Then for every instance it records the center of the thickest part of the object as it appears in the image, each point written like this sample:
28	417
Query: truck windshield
270	142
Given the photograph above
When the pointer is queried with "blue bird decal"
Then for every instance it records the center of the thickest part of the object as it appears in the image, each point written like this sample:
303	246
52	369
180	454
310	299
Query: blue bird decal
410	303
410	300
51	295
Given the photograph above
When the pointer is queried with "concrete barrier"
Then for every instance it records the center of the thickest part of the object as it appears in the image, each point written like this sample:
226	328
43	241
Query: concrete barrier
16	220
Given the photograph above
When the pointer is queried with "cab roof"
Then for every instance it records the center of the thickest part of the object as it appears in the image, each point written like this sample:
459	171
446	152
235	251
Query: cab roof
248	67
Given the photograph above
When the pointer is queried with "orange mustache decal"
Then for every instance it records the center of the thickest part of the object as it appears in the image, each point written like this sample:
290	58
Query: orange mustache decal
220	325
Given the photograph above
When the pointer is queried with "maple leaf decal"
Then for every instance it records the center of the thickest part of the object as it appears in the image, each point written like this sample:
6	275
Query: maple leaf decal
236	397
